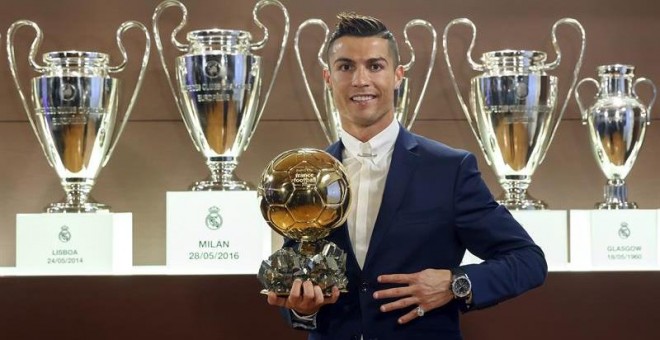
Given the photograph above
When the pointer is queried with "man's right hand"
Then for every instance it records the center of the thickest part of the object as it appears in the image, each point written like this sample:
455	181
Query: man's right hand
304	298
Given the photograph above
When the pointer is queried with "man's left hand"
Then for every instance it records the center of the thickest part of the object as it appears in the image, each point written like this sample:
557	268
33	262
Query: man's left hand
428	289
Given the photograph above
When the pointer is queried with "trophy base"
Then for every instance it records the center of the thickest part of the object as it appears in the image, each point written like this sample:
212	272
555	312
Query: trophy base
210	185
67	207
616	205
321	262
527	203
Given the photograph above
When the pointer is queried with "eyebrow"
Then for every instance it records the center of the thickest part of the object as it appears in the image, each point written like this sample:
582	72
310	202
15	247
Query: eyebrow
370	60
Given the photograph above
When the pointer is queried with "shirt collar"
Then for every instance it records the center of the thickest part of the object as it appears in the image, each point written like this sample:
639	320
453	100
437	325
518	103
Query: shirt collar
381	144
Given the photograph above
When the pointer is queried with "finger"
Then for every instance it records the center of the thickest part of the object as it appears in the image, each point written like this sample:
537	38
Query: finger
308	290
394	292
295	295
319	298
398	304
396	278
275	300
334	297
408	317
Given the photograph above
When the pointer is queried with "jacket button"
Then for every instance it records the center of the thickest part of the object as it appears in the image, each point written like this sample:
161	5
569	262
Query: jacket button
364	287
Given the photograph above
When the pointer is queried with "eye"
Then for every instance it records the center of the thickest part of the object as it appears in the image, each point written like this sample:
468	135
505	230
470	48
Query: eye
376	67
344	67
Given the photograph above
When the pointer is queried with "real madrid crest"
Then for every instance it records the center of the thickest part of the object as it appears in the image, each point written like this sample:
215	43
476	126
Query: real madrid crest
624	231
65	234
214	219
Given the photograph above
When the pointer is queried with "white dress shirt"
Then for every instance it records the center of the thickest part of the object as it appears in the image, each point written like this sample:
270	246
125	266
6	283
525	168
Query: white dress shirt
367	165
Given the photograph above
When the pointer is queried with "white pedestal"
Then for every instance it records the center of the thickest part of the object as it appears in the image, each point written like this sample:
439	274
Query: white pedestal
219	232
614	239
61	244
548	229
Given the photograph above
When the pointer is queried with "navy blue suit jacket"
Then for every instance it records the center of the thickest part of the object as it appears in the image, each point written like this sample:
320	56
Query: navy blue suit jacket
435	205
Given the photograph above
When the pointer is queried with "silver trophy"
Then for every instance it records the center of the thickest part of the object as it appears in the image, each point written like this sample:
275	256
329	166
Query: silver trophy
331	124
512	110
217	91
617	123
74	112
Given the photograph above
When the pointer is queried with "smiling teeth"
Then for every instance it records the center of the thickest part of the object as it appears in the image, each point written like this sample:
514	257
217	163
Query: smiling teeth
362	98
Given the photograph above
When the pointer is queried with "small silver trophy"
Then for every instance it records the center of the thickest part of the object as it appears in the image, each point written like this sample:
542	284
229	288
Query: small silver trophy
217	91
330	124
617	123
74	112
512	110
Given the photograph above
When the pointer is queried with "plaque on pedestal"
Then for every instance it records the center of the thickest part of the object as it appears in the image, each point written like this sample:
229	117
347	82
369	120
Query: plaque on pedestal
548	229
219	232
614	239
61	244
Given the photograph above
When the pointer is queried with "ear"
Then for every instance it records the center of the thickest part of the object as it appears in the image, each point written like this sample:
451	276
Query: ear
398	75
326	77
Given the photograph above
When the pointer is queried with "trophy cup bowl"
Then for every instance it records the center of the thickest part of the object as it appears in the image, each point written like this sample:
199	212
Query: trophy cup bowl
330	121
304	194
512	111
218	90
74	113
617	124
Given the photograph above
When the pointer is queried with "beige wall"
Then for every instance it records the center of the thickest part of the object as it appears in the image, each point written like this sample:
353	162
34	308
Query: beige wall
156	155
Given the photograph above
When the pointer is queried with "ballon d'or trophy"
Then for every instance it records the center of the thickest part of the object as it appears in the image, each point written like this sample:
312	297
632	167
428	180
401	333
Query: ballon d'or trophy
218	90
512	110
304	195
330	124
74	112
617	123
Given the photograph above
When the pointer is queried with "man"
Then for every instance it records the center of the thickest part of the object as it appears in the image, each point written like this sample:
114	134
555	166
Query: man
416	206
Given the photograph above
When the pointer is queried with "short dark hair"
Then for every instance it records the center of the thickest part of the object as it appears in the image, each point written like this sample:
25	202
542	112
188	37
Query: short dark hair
355	25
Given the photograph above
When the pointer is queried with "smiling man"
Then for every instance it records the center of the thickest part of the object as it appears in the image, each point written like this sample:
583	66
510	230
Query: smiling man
417	206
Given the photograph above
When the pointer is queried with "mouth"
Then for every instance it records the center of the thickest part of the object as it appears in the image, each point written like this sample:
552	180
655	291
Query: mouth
362	98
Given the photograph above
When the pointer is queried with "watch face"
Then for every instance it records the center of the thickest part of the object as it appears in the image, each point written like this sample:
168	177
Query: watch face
461	286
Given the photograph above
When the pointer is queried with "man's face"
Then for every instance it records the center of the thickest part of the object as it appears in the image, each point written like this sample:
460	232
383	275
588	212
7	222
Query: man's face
363	77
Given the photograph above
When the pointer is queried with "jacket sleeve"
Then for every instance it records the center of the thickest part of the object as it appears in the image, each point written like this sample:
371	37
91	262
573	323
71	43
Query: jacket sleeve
513	263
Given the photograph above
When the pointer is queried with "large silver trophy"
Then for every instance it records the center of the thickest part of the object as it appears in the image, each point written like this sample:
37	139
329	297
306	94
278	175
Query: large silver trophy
74	111
512	110
217	91
330	123
617	123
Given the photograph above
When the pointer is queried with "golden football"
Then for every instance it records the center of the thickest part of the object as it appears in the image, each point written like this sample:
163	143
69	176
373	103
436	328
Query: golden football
304	194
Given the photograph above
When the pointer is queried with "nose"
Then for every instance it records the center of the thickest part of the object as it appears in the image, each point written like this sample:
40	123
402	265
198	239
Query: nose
361	77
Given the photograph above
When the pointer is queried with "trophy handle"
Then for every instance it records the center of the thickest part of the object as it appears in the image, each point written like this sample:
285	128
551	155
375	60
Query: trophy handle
114	69
38	68
471	117
179	46
583	110
576	24
260	44
652	101
296	47
406	67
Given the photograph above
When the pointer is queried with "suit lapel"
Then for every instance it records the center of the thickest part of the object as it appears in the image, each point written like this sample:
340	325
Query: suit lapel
402	167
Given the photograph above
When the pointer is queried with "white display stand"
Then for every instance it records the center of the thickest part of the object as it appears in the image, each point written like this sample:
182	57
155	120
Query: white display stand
215	232
614	239
74	243
548	229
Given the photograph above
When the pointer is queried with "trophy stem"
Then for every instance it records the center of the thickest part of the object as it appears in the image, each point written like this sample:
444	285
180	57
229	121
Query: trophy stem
78	199
616	196
515	196
222	178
